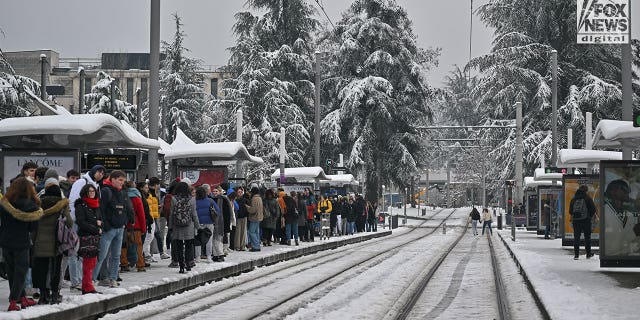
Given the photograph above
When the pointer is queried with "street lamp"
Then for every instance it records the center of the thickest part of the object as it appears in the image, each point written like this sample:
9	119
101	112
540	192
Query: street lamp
383	210
404	221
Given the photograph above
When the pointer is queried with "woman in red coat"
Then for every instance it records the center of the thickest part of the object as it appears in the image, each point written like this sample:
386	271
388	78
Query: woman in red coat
135	229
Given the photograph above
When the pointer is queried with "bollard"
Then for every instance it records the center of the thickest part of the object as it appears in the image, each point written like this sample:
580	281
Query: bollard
444	228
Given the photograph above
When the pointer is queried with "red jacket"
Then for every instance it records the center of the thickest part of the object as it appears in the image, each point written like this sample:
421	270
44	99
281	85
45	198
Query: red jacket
311	209
140	221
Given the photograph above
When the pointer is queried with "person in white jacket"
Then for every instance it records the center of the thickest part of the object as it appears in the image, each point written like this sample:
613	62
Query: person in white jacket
93	177
487	219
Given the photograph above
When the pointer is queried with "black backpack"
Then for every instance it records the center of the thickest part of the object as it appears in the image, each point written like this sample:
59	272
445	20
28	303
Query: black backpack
580	210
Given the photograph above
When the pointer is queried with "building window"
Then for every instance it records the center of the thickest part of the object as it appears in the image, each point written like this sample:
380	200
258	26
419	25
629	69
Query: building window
130	90
214	87
143	90
87	85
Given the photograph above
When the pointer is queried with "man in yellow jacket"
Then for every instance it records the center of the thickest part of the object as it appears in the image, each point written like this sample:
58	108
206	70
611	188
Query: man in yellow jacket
325	208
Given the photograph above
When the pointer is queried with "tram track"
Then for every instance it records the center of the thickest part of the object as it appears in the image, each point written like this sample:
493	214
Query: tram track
205	300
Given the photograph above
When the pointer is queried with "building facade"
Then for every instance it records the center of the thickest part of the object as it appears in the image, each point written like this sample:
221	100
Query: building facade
130	70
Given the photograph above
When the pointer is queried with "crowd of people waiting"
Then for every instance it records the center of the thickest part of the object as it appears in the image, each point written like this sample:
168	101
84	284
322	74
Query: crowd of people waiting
95	226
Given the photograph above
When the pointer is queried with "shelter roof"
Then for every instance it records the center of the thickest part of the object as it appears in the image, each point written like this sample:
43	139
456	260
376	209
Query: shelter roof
611	133
222	152
302	173
580	158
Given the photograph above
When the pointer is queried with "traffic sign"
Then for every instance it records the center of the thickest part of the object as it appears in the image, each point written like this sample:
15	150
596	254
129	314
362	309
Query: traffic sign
555	170
329	163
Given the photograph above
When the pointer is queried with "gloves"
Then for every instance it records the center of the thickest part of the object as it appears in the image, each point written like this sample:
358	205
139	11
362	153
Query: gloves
148	228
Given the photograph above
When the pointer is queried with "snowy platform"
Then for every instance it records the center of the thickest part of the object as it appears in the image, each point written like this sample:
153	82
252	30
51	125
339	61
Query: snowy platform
574	289
160	280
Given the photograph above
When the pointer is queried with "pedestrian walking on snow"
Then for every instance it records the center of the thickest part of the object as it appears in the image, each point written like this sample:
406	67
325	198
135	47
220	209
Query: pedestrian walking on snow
487	219
475	217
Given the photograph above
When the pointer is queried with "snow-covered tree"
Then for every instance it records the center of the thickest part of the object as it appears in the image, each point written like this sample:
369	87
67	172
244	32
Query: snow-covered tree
99	100
377	93
272	84
14	100
518	69
182	97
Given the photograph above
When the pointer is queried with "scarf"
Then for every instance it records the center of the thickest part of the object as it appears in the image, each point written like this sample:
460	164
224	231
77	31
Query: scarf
107	182
92	203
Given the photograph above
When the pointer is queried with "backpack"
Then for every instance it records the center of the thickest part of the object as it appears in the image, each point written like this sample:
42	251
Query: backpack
266	212
182	212
67	237
580	211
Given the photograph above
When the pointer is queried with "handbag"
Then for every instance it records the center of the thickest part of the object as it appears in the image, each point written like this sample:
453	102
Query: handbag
89	246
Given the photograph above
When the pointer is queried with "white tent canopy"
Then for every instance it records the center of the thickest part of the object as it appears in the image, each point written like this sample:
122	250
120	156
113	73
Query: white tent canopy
164	146
540	175
220	152
611	134
530	182
301	174
181	140
77	131
580	158
340	180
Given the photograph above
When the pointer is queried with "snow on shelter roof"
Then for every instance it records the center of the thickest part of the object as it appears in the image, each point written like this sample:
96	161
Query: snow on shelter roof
340	179
181	140
540	175
81	131
220	151
530	182
164	146
301	173
580	158
611	133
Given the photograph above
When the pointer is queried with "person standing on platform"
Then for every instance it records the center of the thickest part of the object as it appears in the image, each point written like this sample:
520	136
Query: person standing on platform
582	210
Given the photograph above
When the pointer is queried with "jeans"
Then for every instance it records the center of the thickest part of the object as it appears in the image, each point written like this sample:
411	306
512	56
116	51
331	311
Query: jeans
75	265
159	233
339	225
547	230
110	244
351	227
254	234
582	226
487	223
289	228
17	265
474	227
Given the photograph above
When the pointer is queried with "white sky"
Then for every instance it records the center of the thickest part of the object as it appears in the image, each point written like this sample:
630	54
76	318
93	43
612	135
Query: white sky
86	28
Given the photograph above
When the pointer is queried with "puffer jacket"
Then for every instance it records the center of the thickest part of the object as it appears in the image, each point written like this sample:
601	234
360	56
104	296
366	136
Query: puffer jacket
87	218
154	210
45	242
18	220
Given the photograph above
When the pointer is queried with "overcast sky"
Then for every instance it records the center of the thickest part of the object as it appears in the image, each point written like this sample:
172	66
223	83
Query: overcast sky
86	28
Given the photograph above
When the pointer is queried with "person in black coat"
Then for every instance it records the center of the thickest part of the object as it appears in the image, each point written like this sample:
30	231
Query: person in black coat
89	220
291	217
19	211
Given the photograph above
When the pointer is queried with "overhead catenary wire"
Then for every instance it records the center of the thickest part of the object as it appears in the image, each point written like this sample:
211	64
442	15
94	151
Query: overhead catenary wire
325	12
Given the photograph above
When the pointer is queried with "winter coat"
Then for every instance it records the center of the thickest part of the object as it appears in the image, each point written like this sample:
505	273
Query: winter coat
273	208
87	218
186	232
18	220
325	206
486	216
290	214
243	203
44	244
302	207
65	186
203	208
140	223
227	212
113	207
475	214
256	210
311	208
166	206
74	194
153	203
591	207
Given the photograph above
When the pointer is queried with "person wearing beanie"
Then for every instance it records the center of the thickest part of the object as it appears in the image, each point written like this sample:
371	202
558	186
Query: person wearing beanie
47	259
92	177
50	173
49	182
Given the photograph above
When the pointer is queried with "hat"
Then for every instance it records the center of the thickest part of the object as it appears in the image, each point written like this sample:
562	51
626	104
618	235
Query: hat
51	181
187	181
51	173
96	168
52	190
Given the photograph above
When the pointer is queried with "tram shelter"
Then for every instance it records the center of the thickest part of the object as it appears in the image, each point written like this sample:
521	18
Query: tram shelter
549	199
296	179
339	184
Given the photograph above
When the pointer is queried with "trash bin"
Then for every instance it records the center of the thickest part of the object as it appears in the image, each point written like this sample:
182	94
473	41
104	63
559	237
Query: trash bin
500	222
394	222
424	211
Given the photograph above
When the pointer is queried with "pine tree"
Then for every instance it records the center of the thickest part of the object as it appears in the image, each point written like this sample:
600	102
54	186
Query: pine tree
99	100
377	93
272	64
182	97
518	69
14	100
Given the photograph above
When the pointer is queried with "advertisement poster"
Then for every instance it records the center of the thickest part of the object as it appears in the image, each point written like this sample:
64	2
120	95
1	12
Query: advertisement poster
13	160
620	207
571	183
532	209
603	21
550	208
200	176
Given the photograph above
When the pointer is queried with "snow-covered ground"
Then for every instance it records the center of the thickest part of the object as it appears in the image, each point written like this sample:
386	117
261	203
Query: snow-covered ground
572	289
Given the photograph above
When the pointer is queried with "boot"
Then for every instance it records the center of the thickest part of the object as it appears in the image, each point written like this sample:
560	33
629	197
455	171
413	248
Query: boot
297	243
13	306
56	297
181	270
27	302
45	297
288	242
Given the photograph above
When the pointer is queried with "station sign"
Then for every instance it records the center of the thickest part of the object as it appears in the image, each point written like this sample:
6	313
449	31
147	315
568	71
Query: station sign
112	161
